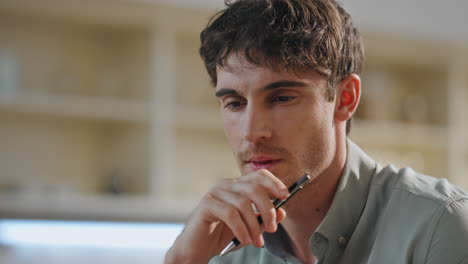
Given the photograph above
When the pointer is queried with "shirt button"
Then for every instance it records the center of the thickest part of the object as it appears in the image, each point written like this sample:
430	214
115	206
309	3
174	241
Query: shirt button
341	240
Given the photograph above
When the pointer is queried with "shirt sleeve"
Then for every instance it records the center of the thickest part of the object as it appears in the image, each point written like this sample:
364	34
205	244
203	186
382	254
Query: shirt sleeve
449	243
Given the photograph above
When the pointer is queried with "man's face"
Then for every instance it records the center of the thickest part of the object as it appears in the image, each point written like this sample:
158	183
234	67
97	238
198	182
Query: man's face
276	120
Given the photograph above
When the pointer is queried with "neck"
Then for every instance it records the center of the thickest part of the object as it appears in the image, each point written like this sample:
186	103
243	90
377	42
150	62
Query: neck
312	204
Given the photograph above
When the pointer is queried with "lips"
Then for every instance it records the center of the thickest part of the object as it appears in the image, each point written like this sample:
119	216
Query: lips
257	163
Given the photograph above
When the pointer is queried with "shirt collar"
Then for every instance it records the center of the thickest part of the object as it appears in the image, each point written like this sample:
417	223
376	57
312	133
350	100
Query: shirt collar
346	208
350	197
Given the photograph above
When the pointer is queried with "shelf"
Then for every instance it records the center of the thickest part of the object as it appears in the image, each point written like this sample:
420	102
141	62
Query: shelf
98	108
111	109
198	117
398	134
81	207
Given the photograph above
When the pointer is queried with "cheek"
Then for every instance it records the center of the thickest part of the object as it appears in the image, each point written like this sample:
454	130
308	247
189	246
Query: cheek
231	130
298	124
309	131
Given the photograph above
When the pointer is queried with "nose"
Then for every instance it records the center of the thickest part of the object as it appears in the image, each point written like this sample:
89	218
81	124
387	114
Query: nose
256	124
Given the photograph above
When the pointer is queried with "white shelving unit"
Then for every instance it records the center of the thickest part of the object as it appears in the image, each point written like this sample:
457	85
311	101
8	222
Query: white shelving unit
413	109
113	117
99	124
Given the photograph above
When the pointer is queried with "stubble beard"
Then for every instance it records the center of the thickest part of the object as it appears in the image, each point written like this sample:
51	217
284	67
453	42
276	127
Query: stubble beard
315	159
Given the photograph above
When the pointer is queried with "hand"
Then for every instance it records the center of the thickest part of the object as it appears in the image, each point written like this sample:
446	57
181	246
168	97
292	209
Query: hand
226	211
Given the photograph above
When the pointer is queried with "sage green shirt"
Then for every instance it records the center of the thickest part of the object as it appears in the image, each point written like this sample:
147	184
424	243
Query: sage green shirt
379	215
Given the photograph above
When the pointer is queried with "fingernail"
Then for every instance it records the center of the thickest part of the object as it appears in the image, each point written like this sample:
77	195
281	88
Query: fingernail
257	243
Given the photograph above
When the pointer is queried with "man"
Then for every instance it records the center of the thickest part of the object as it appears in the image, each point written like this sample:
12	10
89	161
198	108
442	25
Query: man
286	73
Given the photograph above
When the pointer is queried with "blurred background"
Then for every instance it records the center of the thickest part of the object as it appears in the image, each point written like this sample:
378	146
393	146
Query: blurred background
110	133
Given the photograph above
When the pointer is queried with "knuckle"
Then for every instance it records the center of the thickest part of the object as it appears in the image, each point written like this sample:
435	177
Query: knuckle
271	213
253	189
230	212
245	204
208	202
267	210
207	198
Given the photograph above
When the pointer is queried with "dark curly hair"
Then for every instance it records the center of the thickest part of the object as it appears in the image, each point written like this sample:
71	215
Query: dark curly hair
294	35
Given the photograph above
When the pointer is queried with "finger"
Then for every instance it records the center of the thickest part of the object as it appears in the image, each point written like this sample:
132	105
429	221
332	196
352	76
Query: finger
261	241
270	182
256	193
229	215
244	206
280	215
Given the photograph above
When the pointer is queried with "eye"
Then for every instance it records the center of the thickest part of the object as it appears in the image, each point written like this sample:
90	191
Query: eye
234	105
283	98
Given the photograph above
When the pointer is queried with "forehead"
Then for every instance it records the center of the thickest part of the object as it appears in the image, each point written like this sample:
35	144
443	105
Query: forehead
239	72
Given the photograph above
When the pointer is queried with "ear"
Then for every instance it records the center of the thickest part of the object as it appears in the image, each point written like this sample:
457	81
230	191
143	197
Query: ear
348	94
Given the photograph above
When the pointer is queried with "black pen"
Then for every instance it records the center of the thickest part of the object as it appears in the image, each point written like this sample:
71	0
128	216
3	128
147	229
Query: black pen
277	203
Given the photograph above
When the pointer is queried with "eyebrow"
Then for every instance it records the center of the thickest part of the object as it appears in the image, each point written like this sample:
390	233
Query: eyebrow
225	91
283	84
275	85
